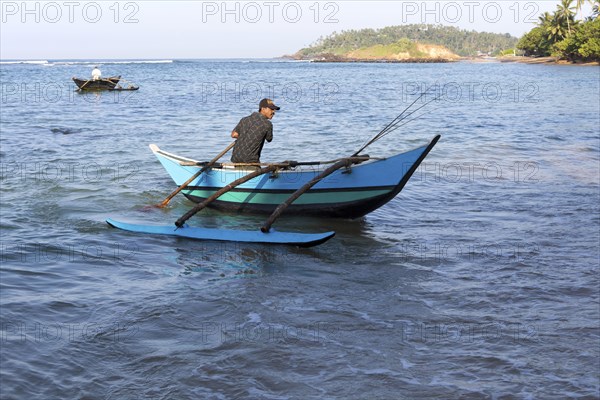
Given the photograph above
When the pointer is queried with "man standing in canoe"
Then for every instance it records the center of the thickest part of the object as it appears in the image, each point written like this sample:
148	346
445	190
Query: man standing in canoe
251	133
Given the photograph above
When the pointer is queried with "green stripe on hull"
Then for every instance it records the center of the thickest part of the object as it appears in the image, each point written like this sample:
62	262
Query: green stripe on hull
278	198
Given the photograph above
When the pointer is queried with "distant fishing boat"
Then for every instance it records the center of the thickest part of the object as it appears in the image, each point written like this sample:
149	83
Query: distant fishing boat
98	84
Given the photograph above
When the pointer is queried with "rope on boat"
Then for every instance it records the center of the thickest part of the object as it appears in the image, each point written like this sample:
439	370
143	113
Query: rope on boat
282	165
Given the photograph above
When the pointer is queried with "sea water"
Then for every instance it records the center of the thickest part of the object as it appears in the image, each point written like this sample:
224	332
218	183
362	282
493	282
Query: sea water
480	279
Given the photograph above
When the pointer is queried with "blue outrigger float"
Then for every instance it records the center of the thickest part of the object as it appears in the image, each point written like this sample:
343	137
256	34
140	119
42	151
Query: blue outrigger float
349	187
273	237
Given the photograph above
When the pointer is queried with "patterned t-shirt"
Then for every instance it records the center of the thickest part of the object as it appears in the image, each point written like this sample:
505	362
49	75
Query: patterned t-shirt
253	130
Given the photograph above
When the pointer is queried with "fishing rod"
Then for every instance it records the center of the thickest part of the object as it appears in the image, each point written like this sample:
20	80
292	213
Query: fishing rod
399	118
410	120
402	113
395	120
396	126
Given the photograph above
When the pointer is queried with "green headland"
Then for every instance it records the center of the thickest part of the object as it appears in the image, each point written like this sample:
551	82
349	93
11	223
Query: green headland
406	43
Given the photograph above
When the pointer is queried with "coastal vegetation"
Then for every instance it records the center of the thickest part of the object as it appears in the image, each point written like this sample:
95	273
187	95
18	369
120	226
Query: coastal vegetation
415	41
561	35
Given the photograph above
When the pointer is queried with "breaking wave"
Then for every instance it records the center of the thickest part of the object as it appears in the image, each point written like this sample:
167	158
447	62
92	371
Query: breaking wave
24	62
83	62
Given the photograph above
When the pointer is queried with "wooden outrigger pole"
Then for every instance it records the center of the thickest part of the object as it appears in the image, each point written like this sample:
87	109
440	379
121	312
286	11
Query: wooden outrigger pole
342	163
179	223
197	174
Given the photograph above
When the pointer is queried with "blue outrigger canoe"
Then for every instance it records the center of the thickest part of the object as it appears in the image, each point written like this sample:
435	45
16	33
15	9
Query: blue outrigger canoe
350	192
347	193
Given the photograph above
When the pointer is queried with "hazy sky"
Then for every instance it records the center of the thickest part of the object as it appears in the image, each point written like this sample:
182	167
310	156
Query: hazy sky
40	30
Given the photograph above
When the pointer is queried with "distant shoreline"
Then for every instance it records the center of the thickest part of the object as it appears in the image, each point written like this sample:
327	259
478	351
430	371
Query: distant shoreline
544	61
388	61
503	59
335	58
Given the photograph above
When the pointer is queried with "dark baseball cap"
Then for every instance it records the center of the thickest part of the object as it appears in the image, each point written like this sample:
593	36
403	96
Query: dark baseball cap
267	103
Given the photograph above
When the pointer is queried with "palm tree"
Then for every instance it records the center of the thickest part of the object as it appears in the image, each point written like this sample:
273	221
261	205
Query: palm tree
545	19
556	29
566	12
